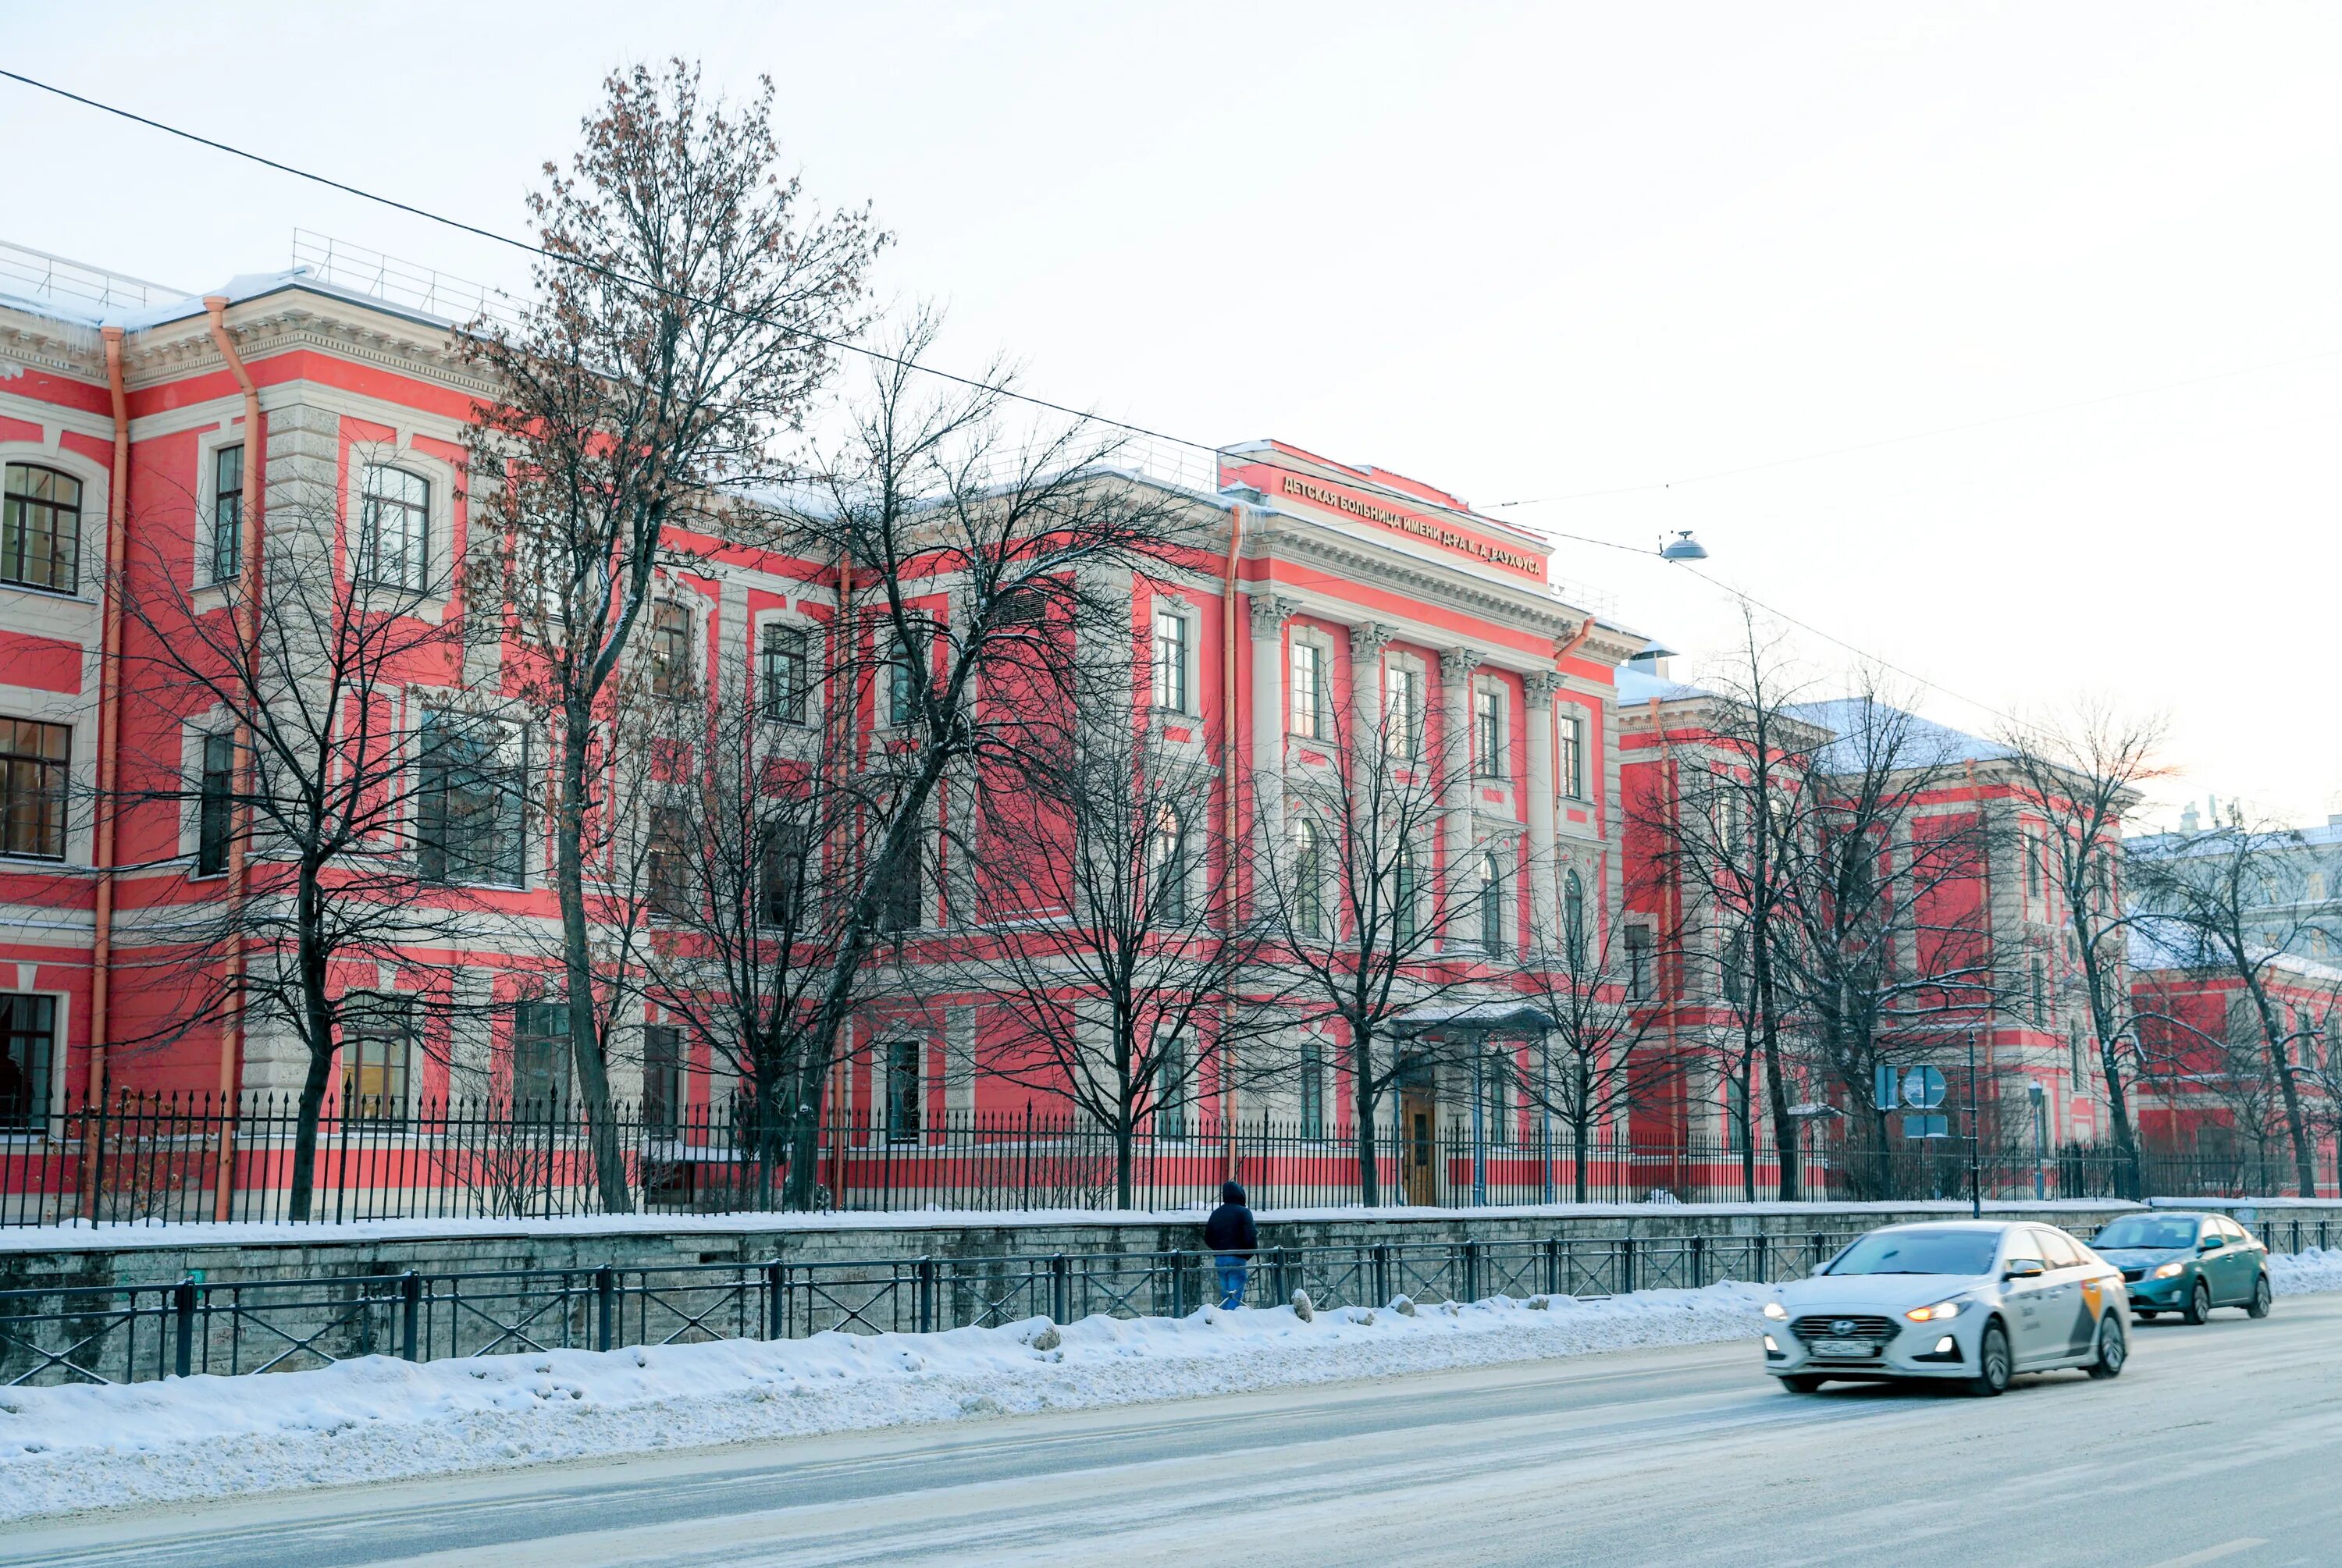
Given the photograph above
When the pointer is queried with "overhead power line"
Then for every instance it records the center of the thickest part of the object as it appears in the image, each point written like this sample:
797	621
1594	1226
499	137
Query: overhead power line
996	389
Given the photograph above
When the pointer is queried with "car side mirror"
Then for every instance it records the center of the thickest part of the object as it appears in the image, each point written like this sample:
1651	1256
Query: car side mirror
2211	1243
2023	1269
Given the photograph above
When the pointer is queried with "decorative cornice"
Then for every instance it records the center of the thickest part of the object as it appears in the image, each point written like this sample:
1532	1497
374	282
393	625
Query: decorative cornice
1283	534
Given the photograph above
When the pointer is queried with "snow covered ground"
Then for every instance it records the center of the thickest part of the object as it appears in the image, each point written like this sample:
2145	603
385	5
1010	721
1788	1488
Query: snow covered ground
378	1419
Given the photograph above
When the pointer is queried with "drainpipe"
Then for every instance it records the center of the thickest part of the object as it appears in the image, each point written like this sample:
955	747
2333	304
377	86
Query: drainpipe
1228	731
247	633
109	724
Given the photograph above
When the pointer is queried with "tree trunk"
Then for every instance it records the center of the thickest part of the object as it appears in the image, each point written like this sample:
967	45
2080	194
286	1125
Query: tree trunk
1361	1111
1577	1154
803	1113
1124	1158
317	1015
576	959
2304	1161
2134	1181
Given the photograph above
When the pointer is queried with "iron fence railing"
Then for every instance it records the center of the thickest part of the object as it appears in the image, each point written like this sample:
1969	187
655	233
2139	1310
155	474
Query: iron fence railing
139	1332
143	1158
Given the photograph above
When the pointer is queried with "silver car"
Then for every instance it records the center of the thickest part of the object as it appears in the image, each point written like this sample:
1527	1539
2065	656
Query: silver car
1968	1301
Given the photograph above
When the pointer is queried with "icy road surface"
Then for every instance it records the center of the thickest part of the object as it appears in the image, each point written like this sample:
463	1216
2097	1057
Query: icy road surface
2216	1445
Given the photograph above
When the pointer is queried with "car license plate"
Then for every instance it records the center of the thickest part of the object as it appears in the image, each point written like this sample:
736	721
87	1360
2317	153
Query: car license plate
1844	1347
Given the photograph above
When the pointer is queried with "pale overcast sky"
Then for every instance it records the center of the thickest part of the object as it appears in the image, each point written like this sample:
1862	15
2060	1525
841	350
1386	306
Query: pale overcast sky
1635	256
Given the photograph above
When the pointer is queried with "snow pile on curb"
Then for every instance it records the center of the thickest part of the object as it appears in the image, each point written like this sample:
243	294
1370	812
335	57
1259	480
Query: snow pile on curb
379	1419
2307	1272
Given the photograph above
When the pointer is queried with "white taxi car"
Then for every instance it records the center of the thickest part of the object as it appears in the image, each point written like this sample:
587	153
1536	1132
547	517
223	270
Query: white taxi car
1971	1300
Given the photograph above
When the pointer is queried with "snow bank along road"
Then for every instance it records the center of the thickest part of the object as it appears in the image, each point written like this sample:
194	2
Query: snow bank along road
2214	1447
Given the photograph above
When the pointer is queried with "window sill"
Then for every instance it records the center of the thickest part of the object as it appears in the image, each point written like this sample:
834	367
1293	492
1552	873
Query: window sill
27	861
70	595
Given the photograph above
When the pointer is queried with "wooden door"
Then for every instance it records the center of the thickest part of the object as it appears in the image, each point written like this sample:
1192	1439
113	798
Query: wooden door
1419	1119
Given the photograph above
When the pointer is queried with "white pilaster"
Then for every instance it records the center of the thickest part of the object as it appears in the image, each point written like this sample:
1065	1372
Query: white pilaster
1538	687
1269	614
1456	667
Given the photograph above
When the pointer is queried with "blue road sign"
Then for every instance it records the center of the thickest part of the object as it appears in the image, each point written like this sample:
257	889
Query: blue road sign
1922	1088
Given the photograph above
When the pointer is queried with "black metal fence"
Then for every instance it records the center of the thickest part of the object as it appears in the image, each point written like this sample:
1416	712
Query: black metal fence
147	1158
139	1332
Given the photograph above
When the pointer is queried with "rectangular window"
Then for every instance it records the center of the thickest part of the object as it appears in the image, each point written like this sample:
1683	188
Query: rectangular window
1405	895
378	1033
393	529
215	798
668	864
1171	661
903	1102
1497	1076
1569	762
2074	1056
1313	1089
471	808
1403	710
781	876
540	1057
2039	995
40	528
663	1083
1171	1068
900	700
1639	963
227	513
900	904
786	659
1489	734
672	672
1492	906
33	757
28	1045
1307	700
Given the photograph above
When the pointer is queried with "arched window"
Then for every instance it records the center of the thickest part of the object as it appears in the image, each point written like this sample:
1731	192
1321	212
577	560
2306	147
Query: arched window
1308	880
1166	865
1492	905
1573	921
40	529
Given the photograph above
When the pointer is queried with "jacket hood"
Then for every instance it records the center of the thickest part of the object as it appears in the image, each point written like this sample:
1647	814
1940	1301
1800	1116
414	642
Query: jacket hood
1232	1193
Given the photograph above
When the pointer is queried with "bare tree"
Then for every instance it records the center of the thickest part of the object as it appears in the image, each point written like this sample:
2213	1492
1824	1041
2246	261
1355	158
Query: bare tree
746	919
975	563
1118	960
1605	1050
1893	959
316	779
1343	879
2079	774
682	326
2234	893
1722	826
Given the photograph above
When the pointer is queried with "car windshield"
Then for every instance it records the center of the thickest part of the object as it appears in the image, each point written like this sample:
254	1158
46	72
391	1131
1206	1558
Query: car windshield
1918	1253
2146	1231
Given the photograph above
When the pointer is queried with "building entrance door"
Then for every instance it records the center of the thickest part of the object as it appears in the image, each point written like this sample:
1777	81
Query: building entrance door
1418	1120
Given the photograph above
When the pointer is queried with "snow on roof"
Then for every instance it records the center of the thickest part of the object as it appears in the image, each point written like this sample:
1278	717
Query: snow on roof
1636	685
1926	743
2156	944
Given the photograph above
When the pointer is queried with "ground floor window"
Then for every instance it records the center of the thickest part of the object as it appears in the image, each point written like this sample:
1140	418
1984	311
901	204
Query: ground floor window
540	1057
28	1043
377	1038
903	1102
1313	1089
662	1079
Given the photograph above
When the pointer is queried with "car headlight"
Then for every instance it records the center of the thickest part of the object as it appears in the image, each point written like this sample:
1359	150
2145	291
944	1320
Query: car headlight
2170	1271
1937	1313
1777	1312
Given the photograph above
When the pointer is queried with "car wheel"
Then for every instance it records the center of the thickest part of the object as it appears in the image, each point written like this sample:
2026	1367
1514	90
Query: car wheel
1993	1365
1803	1383
2199	1302
2113	1349
2259	1305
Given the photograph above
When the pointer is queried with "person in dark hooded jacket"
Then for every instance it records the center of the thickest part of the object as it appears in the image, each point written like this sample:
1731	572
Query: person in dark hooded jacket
1233	1238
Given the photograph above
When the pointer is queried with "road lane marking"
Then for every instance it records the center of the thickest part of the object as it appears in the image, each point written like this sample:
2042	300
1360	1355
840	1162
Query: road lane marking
2212	1554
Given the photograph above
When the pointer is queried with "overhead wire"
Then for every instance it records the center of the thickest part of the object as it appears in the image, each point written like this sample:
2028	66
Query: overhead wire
997	389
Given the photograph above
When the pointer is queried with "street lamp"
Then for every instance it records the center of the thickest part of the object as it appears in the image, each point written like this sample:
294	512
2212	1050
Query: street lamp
1682	547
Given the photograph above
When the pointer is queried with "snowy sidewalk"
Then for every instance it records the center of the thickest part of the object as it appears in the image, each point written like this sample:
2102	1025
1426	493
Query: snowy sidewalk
380	1419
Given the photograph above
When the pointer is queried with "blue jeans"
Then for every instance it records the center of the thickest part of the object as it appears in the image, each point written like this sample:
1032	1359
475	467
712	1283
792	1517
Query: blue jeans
1232	1280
